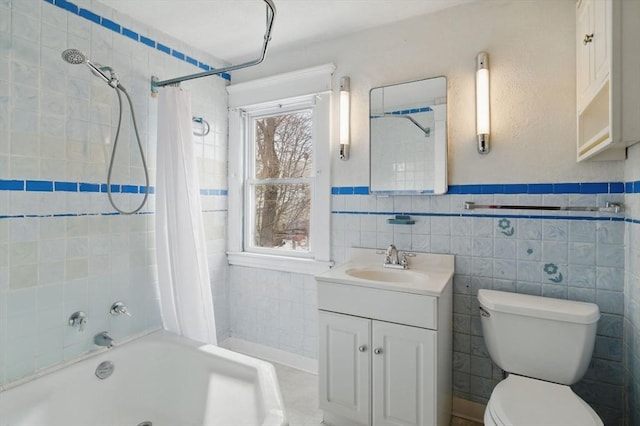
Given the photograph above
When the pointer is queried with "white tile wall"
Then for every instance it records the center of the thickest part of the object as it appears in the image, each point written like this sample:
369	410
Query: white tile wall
57	123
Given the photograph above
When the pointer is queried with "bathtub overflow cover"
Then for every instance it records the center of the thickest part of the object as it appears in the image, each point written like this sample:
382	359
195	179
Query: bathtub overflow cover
145	424
104	370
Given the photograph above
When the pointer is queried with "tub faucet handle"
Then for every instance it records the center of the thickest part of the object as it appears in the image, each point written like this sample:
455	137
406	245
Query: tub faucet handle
78	319
119	308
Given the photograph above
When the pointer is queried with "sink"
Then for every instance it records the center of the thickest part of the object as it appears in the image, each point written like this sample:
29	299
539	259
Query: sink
387	275
427	274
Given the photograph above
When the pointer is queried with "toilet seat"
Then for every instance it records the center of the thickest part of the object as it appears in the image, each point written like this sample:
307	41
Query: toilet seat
521	401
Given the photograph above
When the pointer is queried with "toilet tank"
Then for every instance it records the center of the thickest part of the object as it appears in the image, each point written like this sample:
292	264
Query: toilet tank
538	337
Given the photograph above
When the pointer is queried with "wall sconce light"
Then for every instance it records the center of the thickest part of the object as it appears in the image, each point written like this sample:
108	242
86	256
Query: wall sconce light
345	115
483	116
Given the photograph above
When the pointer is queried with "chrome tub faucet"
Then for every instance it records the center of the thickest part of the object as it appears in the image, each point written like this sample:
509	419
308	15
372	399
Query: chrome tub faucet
103	339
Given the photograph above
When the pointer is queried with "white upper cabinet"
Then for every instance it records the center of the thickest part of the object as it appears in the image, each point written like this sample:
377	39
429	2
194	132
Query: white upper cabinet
607	77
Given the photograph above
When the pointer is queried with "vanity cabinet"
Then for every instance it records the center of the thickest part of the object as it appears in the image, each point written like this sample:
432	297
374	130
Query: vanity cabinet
607	78
386	347
377	372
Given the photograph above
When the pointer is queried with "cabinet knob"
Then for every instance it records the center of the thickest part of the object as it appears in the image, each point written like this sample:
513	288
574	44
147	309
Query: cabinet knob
588	38
362	348
377	351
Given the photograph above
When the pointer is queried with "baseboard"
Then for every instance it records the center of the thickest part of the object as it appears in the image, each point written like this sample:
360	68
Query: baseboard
270	354
468	410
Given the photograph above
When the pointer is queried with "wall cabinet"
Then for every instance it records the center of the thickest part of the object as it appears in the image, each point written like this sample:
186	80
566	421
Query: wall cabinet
607	77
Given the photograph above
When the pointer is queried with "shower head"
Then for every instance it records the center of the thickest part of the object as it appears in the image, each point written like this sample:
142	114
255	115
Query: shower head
75	57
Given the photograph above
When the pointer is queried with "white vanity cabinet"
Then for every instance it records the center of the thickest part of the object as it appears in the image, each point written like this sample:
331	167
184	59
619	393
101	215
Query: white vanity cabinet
385	349
607	77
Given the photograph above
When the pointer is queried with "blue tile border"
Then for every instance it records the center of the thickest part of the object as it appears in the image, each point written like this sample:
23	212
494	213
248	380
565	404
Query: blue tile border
126	32
63	186
520	188
487	215
58	215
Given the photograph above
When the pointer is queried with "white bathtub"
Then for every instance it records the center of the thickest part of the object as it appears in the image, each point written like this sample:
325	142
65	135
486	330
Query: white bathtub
159	378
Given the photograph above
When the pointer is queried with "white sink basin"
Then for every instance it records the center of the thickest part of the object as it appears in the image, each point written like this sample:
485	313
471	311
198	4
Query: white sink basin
428	273
387	275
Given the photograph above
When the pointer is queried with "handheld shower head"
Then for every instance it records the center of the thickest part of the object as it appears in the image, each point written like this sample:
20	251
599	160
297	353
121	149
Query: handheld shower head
75	57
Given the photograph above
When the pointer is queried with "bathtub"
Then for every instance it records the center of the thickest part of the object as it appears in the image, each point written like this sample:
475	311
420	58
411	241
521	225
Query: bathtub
158	380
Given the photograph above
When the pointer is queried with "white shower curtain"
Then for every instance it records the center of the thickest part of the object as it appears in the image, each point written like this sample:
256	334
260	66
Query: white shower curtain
183	274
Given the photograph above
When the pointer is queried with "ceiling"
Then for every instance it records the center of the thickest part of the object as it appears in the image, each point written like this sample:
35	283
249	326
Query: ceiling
233	30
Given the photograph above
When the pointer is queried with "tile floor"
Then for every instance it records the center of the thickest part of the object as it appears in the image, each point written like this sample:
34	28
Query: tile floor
300	393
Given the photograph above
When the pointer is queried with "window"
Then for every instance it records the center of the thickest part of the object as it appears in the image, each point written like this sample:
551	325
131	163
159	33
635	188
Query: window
279	180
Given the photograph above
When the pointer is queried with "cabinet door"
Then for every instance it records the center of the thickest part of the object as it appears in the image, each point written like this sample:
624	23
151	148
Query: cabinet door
404	375
601	43
345	366
583	51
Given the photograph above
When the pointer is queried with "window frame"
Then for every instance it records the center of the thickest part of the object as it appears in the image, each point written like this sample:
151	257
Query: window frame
292	91
251	182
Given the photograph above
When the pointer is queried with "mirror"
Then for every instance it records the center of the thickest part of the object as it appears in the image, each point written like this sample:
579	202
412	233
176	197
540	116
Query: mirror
408	137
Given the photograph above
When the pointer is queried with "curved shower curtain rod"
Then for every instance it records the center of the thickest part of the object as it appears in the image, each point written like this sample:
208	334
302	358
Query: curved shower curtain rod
270	15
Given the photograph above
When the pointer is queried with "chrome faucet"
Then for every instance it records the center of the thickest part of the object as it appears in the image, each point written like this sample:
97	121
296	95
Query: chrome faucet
392	255
103	339
395	259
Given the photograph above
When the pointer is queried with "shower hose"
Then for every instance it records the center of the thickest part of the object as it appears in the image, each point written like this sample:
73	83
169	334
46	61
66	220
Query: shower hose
119	88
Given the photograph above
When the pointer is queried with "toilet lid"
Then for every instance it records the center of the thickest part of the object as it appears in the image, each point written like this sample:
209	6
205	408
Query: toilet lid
523	401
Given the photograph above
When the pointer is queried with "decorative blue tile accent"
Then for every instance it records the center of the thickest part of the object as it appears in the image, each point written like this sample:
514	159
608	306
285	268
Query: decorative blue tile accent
87	14
566	188
553	275
492	189
129	189
204	66
505	227
540	188
594	188
163	48
131	34
616	187
11	185
65	186
149	42
67	6
192	61
114	188
39	185
89	187
517	188
178	55
521	188
108	23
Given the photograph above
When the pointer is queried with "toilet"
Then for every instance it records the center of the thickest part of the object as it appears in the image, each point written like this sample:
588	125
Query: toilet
544	345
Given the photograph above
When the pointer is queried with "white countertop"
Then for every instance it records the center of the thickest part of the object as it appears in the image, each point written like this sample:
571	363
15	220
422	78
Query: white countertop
436	269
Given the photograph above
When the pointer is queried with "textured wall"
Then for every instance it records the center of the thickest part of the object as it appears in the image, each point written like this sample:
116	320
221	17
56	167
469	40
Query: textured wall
532	56
632	287
61	248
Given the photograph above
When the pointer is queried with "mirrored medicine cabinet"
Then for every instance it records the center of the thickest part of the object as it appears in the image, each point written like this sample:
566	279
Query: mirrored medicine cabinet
408	137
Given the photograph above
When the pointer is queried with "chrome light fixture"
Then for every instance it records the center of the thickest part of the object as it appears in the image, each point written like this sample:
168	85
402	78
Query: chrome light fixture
345	116
483	116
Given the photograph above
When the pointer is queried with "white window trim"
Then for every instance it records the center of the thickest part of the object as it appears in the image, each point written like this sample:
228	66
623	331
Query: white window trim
267	92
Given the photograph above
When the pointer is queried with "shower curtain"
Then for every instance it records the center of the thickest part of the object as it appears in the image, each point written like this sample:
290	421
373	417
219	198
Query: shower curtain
184	286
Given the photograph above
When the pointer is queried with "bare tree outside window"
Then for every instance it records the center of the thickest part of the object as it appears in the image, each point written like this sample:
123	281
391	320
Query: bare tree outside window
282	184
